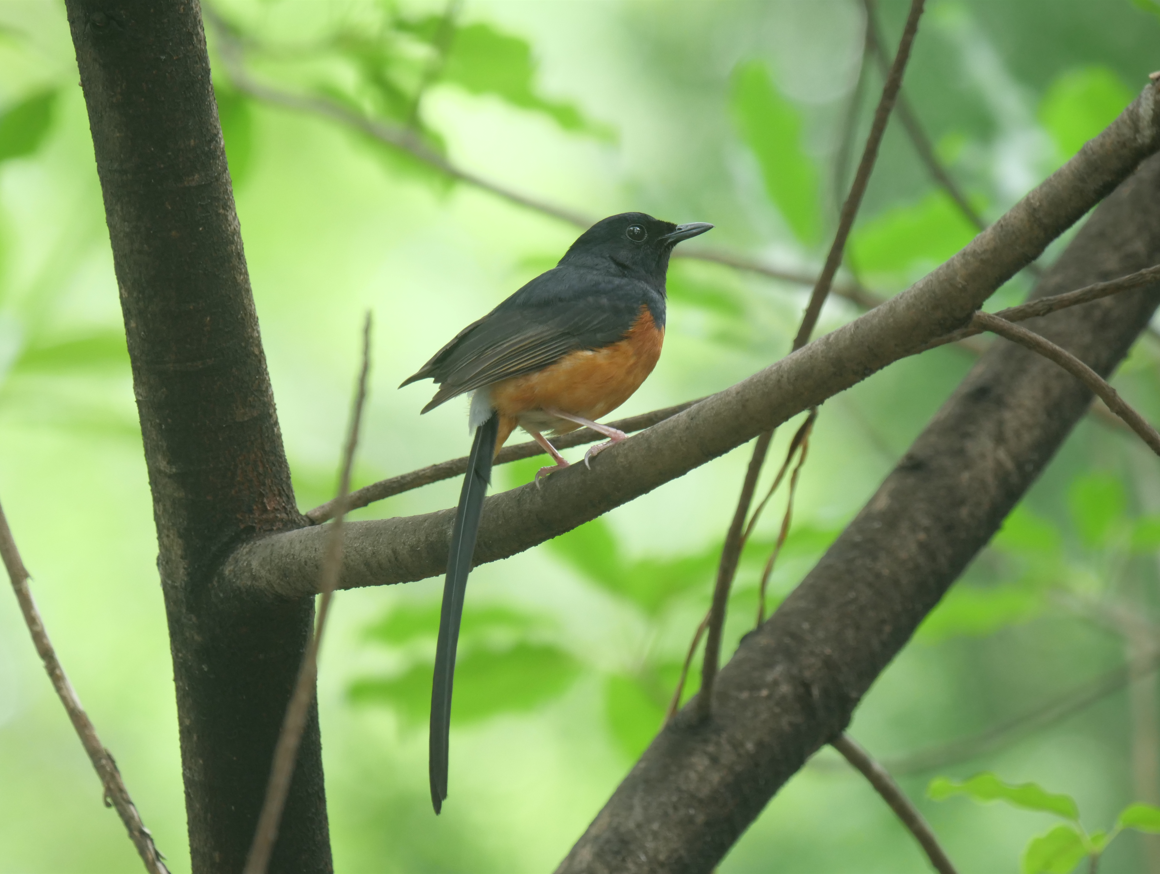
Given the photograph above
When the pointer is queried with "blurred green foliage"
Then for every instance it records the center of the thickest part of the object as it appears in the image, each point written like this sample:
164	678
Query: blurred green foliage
570	653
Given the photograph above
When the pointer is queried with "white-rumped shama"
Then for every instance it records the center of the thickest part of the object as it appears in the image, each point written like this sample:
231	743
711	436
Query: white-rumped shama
566	349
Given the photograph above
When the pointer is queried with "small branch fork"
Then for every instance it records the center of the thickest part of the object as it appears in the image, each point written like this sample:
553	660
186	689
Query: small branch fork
298	710
896	798
1076	368
116	795
734	541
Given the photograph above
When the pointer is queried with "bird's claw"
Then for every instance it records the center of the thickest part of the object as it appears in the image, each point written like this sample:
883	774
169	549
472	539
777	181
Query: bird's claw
544	471
615	438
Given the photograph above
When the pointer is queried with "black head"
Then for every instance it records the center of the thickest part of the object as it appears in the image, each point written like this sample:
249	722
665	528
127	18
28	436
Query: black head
632	243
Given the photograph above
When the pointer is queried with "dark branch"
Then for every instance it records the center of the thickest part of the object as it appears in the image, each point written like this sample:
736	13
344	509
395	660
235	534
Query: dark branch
885	786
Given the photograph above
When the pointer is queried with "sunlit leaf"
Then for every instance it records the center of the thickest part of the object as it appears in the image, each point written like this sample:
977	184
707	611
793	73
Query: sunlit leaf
1152	6
99	350
1141	817
484	60
1057	852
1081	103
970	611
924	233
988	787
1146	534
487	683
237	123
772	128
1097	502
634	716
408	622
24	126
1023	531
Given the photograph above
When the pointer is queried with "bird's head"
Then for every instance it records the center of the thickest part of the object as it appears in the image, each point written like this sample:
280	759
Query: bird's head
632	242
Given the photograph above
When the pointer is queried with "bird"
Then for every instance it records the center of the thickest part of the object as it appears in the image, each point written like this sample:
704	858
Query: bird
565	350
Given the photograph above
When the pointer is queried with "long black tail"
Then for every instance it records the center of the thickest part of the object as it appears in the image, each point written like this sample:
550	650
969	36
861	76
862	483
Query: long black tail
458	566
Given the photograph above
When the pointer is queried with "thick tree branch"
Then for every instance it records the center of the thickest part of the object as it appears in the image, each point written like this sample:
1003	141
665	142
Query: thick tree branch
404	549
793	684
115	792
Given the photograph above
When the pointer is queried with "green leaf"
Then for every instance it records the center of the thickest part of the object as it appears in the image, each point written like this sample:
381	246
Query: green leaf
591	549
1141	817
1081	103
1097	503
1146	534
772	128
1057	852
683	288
487	683
102	349
24	126
1152	6
969	611
904	238
408	622
483	60
988	787
1025	532
237	121
633	715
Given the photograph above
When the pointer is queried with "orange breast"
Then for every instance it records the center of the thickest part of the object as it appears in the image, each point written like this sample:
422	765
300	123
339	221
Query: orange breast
590	383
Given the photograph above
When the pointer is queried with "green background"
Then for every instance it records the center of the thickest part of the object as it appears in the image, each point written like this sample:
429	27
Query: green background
727	112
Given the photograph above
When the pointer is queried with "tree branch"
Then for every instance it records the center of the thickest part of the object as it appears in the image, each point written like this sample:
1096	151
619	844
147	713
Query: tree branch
1098	385
884	784
298	710
793	683
115	791
404	549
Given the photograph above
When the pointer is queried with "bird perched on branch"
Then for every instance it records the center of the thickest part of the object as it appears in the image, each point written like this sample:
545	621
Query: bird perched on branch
565	350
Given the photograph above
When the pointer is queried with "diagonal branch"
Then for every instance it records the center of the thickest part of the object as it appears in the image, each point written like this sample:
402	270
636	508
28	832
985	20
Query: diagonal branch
885	786
1076	368
115	791
404	549
792	685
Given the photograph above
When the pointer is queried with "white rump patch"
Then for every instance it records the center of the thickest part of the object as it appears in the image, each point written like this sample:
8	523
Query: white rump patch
481	409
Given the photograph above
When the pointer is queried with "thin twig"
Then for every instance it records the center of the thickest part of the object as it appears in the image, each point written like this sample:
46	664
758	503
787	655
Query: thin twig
675	702
409	141
881	780
115	792
850	128
767	571
730	556
1045	305
298	710
441	43
801	434
1019	727
458	466
1077	369
731	552
862	177
914	131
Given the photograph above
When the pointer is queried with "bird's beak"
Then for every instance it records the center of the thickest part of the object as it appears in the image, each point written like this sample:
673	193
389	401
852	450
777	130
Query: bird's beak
684	232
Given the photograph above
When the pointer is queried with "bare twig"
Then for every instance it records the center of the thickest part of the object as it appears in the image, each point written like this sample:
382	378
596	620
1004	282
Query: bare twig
298	710
1076	368
458	466
1045	305
675	702
730	554
862	177
767	571
881	780
115	792
801	434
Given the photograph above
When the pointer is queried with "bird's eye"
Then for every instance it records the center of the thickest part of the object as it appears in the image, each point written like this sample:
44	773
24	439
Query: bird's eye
636	233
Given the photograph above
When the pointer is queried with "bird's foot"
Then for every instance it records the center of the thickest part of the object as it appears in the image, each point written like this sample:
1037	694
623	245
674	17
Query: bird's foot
614	437
544	471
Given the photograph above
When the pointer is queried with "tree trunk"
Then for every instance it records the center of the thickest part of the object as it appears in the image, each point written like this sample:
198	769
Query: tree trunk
217	470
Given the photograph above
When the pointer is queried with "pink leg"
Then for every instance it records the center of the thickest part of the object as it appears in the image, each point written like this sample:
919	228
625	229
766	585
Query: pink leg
551	450
613	435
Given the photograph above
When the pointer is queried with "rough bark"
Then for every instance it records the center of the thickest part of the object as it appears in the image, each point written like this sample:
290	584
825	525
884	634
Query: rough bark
214	453
793	685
